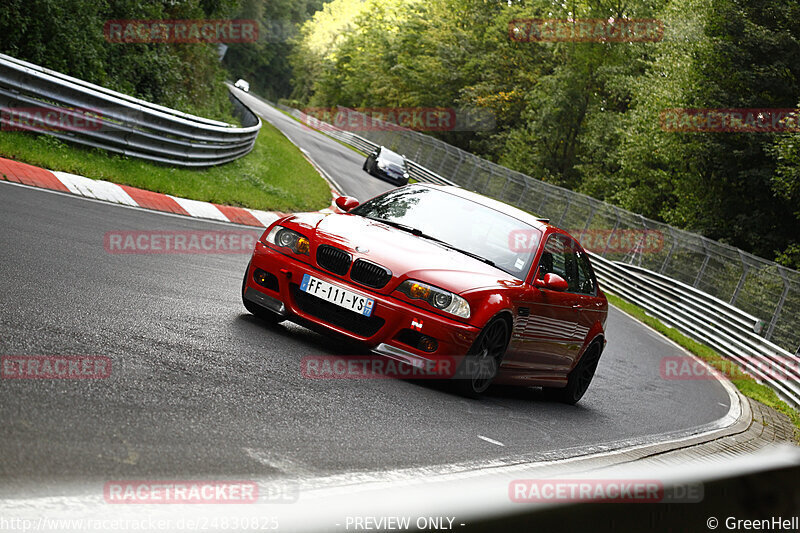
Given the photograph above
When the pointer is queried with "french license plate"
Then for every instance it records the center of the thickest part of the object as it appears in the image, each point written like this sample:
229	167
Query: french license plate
337	295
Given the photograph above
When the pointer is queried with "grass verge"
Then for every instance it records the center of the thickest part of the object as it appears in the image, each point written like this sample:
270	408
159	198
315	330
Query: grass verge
275	176
746	384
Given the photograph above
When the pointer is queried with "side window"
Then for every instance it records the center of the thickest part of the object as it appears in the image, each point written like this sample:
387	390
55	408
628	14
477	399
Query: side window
561	257
586	280
551	261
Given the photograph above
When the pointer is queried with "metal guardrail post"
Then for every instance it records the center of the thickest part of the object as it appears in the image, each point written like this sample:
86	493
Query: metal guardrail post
608	240
702	270
779	308
523	194
441	165
745	268
564	213
489	177
505	186
590	217
471	177
460	162
540	210
669	254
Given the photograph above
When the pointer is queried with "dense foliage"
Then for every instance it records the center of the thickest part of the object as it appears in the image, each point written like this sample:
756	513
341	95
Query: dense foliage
265	64
67	36
587	115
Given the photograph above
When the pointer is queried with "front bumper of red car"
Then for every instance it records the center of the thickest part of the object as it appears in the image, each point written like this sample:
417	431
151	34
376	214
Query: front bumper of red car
389	331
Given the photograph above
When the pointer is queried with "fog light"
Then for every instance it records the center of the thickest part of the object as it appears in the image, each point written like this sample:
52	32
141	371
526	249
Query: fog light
427	344
266	279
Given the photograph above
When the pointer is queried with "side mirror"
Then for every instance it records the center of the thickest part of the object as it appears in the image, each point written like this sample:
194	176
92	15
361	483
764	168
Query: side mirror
346	203
554	282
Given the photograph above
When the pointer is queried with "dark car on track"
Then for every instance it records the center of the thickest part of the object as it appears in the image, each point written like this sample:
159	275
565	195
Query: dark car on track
425	274
387	165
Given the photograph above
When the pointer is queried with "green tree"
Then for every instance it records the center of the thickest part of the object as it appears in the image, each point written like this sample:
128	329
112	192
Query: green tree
67	35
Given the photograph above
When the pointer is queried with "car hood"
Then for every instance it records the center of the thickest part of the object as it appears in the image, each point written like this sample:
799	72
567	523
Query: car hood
406	255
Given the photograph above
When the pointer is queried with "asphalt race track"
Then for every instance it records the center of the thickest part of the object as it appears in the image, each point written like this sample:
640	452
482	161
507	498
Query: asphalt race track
201	388
340	163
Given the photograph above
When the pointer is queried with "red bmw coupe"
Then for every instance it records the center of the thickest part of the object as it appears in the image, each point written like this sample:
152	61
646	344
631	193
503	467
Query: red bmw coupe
424	273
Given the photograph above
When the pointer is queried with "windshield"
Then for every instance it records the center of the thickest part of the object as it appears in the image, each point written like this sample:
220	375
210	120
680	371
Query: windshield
460	223
391	157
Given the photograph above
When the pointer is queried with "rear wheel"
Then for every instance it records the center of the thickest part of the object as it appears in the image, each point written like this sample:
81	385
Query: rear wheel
264	314
481	364
579	379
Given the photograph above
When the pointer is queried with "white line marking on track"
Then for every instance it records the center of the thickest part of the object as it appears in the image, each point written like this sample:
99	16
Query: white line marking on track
487	439
273	460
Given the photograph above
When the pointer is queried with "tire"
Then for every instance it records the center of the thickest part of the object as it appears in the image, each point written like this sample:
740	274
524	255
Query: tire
264	314
579	378
364	166
481	364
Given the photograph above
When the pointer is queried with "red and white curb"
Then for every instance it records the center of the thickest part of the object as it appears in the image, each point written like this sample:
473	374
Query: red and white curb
25	174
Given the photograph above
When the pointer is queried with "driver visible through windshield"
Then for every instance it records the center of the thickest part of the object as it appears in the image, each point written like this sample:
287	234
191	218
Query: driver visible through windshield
458	223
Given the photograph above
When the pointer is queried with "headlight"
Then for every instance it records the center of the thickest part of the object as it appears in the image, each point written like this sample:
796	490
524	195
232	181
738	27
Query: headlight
438	298
286	238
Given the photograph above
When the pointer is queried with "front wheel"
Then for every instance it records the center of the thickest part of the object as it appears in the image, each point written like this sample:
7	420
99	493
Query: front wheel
482	363
579	379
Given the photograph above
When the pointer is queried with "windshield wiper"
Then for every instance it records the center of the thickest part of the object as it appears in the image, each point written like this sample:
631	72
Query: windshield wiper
420	233
398	225
471	254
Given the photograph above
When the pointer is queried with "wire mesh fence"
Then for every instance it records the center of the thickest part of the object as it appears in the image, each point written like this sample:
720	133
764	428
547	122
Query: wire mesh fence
769	293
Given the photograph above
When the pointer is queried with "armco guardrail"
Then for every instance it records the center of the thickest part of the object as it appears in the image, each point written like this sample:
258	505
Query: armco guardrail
731	330
102	118
706	319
